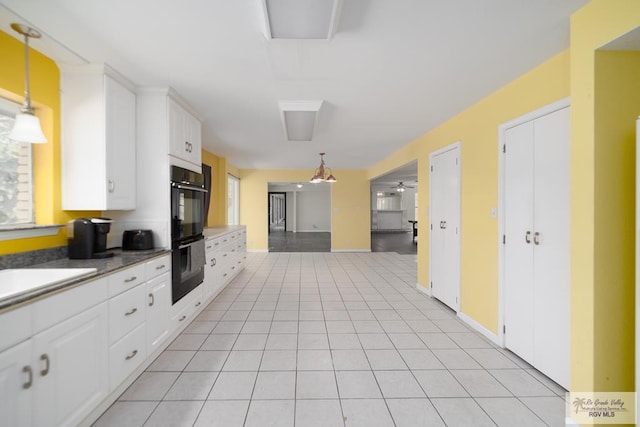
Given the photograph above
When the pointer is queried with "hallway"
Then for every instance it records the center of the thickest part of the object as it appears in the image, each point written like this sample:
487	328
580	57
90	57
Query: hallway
334	340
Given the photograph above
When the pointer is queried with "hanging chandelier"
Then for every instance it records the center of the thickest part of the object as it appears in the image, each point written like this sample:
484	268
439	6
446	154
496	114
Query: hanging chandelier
27	126
320	175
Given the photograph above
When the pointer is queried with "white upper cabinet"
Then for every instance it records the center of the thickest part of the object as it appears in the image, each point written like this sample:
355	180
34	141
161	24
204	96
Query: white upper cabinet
98	139
185	139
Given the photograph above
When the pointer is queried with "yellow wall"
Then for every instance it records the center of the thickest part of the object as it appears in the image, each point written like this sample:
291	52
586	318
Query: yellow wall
220	169
603	191
477	129
45	94
617	96
350	199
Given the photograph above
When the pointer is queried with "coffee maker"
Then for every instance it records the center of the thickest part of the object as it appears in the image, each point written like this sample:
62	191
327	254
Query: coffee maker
88	238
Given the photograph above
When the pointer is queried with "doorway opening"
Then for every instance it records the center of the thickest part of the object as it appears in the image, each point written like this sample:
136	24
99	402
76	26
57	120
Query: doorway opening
394	211
277	213
299	217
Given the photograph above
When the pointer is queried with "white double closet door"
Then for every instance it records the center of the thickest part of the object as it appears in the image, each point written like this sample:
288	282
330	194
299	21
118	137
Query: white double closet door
444	227
536	246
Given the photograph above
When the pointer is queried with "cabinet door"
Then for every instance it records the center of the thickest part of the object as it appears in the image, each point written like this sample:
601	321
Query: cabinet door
211	275
193	136
120	104
16	384
72	370
158	307
177	139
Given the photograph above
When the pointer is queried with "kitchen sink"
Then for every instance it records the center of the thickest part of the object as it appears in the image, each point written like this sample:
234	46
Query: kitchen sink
16	281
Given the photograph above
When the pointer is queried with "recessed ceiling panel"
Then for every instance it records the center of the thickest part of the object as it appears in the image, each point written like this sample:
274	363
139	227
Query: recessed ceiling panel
300	19
300	125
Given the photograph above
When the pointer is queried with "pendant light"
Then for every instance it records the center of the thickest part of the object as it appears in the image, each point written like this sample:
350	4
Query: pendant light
320	173
27	126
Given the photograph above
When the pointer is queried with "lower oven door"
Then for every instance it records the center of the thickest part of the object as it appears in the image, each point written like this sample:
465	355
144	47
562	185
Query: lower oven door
188	259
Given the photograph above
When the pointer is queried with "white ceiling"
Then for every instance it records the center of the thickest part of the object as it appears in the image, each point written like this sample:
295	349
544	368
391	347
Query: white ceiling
393	70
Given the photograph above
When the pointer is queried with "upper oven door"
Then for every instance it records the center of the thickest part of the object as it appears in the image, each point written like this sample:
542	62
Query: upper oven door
187	211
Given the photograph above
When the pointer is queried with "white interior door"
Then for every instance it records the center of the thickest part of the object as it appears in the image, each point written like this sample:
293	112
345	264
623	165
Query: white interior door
518	211
445	226
536	247
552	246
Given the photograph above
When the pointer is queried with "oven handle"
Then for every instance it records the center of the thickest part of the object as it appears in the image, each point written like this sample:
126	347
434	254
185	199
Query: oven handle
188	187
186	245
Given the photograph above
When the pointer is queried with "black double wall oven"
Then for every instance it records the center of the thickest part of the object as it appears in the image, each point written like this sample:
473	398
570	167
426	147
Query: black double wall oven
187	224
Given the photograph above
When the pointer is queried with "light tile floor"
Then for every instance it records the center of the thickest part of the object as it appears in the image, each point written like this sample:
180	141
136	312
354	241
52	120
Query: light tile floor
322	339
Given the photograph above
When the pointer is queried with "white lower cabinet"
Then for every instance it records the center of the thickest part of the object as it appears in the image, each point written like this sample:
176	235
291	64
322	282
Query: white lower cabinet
158	311
16	385
70	368
126	355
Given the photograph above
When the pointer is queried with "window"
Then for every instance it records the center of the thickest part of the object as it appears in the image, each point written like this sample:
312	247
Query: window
233	204
16	188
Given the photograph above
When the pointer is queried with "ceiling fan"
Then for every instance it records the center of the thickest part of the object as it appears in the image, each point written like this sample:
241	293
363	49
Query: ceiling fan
401	187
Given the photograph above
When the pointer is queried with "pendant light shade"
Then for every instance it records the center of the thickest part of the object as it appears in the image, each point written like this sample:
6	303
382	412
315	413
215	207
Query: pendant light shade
26	127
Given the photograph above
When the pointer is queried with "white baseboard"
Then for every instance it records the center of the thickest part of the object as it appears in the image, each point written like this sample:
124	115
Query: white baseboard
315	230
424	290
350	250
260	251
478	327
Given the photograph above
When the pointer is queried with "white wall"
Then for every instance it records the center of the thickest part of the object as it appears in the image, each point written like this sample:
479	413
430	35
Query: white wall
313	211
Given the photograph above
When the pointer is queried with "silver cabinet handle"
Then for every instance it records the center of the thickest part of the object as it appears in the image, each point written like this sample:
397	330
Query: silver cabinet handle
130	312
224	275
47	363
112	186
29	372
536	238
131	279
160	267
132	355
198	304
153	300
527	237
209	247
182	318
213	262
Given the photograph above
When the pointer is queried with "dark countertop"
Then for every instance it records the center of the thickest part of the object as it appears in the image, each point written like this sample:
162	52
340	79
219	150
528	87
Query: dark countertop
121	259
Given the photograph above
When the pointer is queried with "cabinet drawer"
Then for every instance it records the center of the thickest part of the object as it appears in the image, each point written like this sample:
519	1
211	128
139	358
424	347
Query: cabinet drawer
15	326
157	267
213	244
126	279
188	306
126	355
126	311
56	308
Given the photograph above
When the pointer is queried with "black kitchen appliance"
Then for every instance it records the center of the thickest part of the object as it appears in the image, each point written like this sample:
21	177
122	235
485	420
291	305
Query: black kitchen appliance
187	224
137	240
87	238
